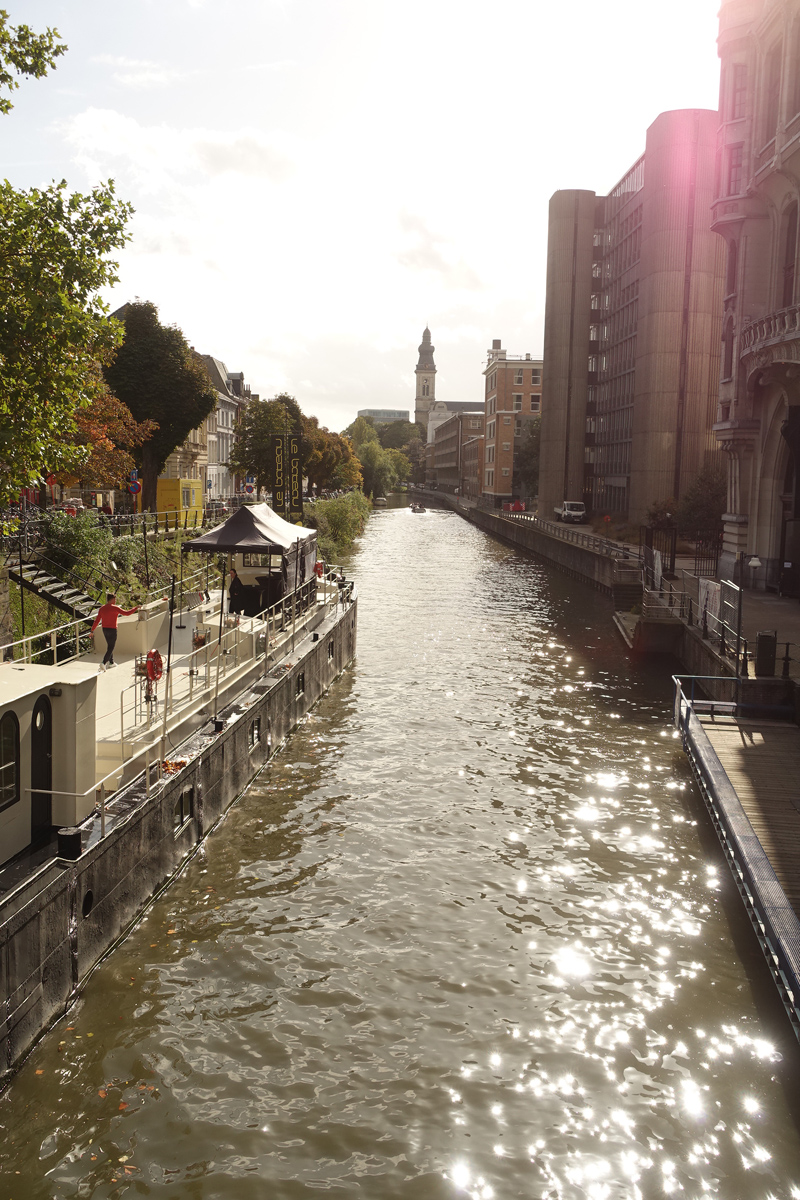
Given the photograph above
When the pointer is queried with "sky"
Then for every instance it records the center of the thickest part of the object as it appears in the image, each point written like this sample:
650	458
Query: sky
316	180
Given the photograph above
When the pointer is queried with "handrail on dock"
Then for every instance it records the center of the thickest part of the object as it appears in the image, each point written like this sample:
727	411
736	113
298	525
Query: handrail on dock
774	921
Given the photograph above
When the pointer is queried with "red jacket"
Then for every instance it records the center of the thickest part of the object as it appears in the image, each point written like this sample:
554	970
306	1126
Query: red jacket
108	615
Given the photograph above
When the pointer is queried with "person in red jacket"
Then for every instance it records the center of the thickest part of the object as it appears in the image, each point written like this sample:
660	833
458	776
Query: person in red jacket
107	617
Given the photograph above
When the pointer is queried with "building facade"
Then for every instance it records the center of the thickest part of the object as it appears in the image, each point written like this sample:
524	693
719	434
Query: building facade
513	397
384	416
448	443
633	328
755	213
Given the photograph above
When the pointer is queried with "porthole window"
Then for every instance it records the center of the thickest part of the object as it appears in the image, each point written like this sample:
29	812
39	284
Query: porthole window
9	760
40	719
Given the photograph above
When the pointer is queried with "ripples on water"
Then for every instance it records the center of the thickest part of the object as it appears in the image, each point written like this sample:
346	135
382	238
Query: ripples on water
466	936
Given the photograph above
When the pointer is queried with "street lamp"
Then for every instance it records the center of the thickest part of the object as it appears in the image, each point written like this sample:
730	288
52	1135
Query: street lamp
754	564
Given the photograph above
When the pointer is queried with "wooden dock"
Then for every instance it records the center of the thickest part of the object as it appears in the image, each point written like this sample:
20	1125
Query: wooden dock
762	761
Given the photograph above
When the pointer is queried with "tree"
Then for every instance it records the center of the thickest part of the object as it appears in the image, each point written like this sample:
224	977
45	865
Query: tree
376	467
401	466
26	53
661	513
703	503
252	452
108	429
348	473
360	432
397	434
53	325
528	457
159	377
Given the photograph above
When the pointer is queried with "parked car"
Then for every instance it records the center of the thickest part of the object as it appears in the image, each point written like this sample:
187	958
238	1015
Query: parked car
571	512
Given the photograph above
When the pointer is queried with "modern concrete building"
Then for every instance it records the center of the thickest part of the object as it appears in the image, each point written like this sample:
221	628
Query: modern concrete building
756	213
384	416
513	397
633	327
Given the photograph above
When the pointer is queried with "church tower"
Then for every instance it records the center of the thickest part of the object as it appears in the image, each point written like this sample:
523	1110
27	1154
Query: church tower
426	380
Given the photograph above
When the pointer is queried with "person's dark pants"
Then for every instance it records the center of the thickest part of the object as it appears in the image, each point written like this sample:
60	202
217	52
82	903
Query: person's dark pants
111	641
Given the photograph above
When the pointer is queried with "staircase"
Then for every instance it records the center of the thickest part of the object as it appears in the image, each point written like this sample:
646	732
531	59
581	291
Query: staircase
36	575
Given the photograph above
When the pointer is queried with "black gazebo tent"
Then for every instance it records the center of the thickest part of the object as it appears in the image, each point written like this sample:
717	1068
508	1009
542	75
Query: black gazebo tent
256	529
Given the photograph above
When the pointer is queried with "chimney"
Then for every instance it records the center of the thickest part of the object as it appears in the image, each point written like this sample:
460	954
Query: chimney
496	344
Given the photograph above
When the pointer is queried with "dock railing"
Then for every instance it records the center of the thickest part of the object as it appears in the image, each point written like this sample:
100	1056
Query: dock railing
576	537
773	919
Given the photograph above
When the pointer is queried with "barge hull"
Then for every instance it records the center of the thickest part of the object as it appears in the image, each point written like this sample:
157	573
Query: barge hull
57	926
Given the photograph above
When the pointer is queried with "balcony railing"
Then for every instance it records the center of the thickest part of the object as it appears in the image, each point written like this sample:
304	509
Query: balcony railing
780	326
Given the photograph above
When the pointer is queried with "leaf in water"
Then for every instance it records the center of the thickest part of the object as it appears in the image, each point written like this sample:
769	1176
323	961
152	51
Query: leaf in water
122	1105
39	1071
102	1093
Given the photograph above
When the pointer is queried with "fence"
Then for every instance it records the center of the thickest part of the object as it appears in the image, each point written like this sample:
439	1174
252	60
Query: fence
577	537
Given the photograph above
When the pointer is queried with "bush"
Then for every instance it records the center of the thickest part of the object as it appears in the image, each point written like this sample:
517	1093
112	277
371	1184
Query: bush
338	523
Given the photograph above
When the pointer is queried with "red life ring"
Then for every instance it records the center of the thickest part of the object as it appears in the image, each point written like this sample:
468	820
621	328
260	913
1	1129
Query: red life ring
318	569
155	665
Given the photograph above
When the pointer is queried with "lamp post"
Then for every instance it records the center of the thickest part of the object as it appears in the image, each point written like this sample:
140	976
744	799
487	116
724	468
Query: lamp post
754	564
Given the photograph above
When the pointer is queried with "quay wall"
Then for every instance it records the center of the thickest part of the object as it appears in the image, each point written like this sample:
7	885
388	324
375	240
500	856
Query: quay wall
596	569
56	928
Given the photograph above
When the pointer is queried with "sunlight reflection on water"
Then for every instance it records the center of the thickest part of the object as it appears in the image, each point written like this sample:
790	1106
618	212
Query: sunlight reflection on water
461	938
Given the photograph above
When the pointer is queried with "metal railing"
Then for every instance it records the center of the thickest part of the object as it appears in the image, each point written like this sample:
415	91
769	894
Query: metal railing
589	541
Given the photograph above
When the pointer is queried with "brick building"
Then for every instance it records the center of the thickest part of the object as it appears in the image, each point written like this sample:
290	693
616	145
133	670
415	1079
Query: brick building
513	397
448	442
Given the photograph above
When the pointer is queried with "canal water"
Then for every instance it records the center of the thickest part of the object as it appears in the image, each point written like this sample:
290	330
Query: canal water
467	935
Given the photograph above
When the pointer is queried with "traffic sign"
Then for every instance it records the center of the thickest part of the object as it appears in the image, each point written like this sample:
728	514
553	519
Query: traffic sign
248	487
134	487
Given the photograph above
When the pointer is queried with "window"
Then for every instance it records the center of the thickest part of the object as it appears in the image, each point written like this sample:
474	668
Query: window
506	420
735	170
505	471
254	733
518	376
506	445
9	760
730	277
184	808
490	478
727	357
255	560
517	428
789	255
536	377
330	649
517	401
300	685
536	404
772	91
738	91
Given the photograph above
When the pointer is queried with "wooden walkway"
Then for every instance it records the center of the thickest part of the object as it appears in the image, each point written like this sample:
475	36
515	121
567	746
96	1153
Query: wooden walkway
762	761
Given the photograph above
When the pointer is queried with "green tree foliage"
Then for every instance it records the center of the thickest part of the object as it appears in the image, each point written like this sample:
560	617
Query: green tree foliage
327	454
338	523
703	503
54	331
25	53
401	466
360	432
397	434
661	513
252	452
528	456
160	378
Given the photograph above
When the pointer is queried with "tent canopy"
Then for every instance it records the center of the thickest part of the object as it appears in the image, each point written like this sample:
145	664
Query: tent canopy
255	528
